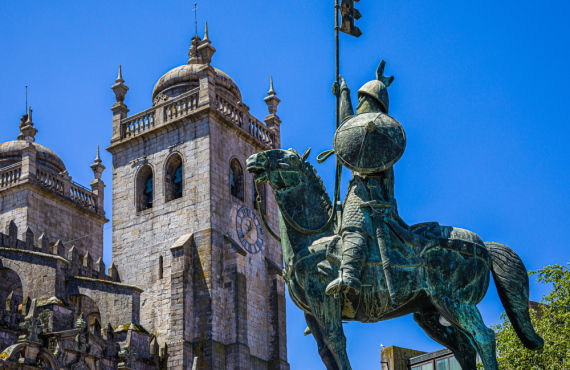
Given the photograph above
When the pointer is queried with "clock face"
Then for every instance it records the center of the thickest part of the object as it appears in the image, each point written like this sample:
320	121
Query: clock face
249	230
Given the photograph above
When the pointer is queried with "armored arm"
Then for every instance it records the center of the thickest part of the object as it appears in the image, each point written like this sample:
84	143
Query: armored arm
345	104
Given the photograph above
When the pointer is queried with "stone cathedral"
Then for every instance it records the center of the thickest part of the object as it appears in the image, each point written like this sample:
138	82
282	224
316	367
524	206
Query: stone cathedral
195	280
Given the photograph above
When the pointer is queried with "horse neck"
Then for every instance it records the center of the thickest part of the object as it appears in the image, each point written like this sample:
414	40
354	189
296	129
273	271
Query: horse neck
309	206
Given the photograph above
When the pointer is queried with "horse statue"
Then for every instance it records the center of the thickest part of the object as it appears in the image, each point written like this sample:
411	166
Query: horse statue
440	282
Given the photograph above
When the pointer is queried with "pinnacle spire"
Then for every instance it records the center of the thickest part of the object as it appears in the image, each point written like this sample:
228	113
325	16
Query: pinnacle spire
98	157
271	90
97	166
206	32
27	129
119	88
120	76
271	99
29	119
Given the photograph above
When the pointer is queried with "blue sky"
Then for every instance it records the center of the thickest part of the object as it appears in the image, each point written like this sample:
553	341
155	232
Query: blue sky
481	89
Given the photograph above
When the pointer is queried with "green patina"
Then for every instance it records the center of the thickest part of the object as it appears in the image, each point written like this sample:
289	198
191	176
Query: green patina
368	264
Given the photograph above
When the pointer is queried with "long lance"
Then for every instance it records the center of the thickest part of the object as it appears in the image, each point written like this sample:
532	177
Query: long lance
338	171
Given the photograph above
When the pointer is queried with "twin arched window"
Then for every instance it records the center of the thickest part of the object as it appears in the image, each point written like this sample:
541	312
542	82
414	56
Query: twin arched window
173	183
236	179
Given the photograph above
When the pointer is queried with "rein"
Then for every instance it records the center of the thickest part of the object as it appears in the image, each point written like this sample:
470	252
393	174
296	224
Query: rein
292	222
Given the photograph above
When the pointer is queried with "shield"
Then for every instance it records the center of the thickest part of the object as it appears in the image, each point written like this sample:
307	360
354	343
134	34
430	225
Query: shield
369	142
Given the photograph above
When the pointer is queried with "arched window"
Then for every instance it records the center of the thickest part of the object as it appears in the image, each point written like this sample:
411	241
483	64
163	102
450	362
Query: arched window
145	188
236	179
261	188
173	179
86	306
10	289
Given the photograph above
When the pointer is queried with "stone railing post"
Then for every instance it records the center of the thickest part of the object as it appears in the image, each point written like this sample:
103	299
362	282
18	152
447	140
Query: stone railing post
207	95
66	181
28	162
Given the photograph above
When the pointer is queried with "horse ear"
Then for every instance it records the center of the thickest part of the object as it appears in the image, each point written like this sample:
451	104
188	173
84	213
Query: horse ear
294	151
306	154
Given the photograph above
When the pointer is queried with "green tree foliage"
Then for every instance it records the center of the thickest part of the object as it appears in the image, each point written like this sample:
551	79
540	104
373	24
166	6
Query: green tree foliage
551	321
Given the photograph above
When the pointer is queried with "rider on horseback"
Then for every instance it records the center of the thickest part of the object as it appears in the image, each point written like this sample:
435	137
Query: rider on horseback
370	201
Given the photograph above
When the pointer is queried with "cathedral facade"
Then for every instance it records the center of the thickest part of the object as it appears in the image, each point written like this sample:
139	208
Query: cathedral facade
195	281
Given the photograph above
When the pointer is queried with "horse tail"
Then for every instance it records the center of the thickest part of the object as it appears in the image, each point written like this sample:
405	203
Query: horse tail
511	279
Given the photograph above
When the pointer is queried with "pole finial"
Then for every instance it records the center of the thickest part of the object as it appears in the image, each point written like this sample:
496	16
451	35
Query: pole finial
206	32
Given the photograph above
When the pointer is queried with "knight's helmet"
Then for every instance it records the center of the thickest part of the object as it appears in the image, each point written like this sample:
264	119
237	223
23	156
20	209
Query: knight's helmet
378	88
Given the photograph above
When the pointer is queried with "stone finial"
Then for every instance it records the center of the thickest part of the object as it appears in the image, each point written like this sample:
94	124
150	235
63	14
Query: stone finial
27	129
201	51
11	238
119	88
97	167
58	248
113	272
100	268
28	238
271	99
31	325
193	55
43	243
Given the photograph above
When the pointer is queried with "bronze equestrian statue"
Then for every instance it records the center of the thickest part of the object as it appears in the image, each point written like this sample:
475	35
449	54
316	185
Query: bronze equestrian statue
369	265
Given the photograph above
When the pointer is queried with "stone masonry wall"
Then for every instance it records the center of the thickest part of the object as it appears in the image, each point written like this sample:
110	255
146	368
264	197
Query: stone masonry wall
59	219
227	143
141	238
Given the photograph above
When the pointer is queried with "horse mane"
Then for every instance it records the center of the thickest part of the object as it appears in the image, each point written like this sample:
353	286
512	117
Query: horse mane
317	186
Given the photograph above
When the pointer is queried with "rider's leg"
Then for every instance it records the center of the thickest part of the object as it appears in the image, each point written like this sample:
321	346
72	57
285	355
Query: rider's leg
353	258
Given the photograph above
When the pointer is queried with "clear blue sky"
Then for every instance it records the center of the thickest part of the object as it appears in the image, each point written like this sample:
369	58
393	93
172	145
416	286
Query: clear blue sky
481	89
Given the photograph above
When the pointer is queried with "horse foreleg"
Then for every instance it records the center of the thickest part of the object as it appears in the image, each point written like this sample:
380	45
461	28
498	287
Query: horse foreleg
327	316
324	352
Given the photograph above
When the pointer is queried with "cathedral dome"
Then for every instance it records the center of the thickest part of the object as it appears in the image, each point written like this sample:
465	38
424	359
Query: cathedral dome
186	77
182	79
11	152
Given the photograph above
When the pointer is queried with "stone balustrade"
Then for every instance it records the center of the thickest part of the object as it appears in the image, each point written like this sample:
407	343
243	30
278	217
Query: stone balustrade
189	103
56	183
51	181
138	123
180	107
82	196
10	175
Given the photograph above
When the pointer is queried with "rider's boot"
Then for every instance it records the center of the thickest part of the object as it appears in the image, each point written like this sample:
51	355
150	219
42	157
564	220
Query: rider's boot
353	257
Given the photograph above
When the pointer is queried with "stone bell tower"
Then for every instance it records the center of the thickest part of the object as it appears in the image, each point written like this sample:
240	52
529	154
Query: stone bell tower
185	226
